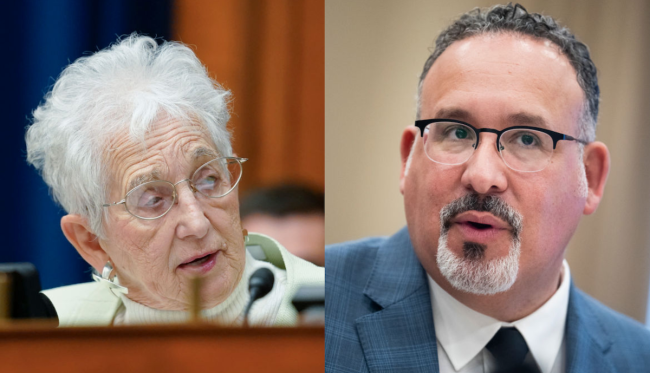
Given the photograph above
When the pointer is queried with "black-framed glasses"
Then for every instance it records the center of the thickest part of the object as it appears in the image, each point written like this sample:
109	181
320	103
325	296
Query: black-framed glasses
153	199
522	148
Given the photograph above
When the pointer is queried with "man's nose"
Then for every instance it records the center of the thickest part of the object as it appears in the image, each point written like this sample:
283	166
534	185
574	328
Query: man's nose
485	172
192	221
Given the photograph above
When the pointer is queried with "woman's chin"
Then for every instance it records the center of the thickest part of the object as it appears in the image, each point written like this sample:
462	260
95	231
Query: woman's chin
218	285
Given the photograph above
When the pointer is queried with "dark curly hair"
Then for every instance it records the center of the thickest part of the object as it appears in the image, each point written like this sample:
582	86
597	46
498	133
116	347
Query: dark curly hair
516	19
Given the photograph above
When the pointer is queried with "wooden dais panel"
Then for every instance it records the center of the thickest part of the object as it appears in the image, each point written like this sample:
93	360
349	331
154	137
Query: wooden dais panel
175	348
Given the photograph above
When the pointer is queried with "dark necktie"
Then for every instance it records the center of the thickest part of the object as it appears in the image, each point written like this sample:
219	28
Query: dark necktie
509	349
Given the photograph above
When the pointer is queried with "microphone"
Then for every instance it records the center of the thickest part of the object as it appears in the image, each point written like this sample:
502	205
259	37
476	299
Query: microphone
48	310
24	299
259	284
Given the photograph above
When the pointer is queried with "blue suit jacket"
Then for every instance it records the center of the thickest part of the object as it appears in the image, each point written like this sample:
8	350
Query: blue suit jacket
378	317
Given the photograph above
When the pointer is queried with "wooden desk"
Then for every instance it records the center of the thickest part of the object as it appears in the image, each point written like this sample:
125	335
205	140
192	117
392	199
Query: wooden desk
165	348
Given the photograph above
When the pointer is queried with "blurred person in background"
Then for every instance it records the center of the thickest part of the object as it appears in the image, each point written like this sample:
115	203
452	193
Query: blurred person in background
292	214
133	143
497	171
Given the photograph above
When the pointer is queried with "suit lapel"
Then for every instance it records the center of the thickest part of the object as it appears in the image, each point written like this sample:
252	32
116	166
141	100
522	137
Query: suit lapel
587	341
400	336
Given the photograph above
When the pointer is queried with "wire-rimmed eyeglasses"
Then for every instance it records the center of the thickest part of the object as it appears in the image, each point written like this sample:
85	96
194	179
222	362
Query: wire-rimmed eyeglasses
522	148
153	199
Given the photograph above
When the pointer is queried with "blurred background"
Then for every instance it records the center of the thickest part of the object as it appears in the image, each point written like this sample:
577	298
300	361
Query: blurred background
374	53
270	54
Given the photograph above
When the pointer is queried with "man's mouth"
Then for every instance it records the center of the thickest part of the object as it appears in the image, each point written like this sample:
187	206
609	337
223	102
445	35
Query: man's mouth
486	217
480	220
480	226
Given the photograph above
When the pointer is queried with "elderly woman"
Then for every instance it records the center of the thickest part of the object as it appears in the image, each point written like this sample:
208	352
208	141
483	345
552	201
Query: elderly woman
133	143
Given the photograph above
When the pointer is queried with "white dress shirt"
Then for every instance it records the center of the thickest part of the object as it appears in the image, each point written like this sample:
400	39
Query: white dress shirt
463	333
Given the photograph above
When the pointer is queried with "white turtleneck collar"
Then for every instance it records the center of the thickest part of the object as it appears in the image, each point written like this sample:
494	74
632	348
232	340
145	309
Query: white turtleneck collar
228	312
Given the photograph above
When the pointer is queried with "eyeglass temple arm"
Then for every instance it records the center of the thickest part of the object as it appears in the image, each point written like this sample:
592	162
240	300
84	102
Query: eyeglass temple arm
114	203
567	137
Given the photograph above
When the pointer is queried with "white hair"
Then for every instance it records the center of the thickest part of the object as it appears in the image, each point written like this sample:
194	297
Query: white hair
125	88
478	276
582	190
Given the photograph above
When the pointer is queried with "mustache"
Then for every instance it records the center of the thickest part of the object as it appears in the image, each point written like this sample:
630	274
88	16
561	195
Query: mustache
474	202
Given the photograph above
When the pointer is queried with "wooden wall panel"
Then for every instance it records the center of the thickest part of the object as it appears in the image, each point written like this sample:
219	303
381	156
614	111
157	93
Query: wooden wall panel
312	88
270	54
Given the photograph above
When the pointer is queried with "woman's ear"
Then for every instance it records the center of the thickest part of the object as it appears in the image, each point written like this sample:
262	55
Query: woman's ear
77	230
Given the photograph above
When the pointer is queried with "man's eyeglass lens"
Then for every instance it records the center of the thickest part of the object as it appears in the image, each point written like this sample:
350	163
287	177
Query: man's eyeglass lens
524	150
213	180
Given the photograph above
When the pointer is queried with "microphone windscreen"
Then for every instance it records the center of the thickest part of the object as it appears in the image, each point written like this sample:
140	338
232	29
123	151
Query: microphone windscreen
262	280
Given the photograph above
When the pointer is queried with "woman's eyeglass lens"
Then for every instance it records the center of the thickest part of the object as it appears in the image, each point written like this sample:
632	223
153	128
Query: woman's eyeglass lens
214	179
525	150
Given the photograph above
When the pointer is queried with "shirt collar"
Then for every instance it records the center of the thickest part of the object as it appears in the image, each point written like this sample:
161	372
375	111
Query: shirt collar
463	332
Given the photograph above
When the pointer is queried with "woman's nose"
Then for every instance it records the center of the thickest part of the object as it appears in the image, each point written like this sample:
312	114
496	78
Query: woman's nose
192	221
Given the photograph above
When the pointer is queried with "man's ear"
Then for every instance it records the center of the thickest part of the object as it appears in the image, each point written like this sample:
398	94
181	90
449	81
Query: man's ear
407	146
596	159
77	230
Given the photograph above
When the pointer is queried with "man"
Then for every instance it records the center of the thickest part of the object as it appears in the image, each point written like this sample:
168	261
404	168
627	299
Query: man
496	174
293	214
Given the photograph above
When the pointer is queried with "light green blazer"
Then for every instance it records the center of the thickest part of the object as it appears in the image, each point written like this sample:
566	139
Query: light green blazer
94	304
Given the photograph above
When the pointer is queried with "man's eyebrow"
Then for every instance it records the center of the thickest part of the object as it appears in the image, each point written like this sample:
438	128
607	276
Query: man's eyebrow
526	119
202	152
144	178
454	113
518	119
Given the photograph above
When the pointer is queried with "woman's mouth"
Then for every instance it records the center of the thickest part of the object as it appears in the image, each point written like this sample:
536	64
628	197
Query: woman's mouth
200	265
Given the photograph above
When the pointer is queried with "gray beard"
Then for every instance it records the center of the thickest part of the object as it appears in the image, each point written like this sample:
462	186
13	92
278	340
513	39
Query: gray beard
473	274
